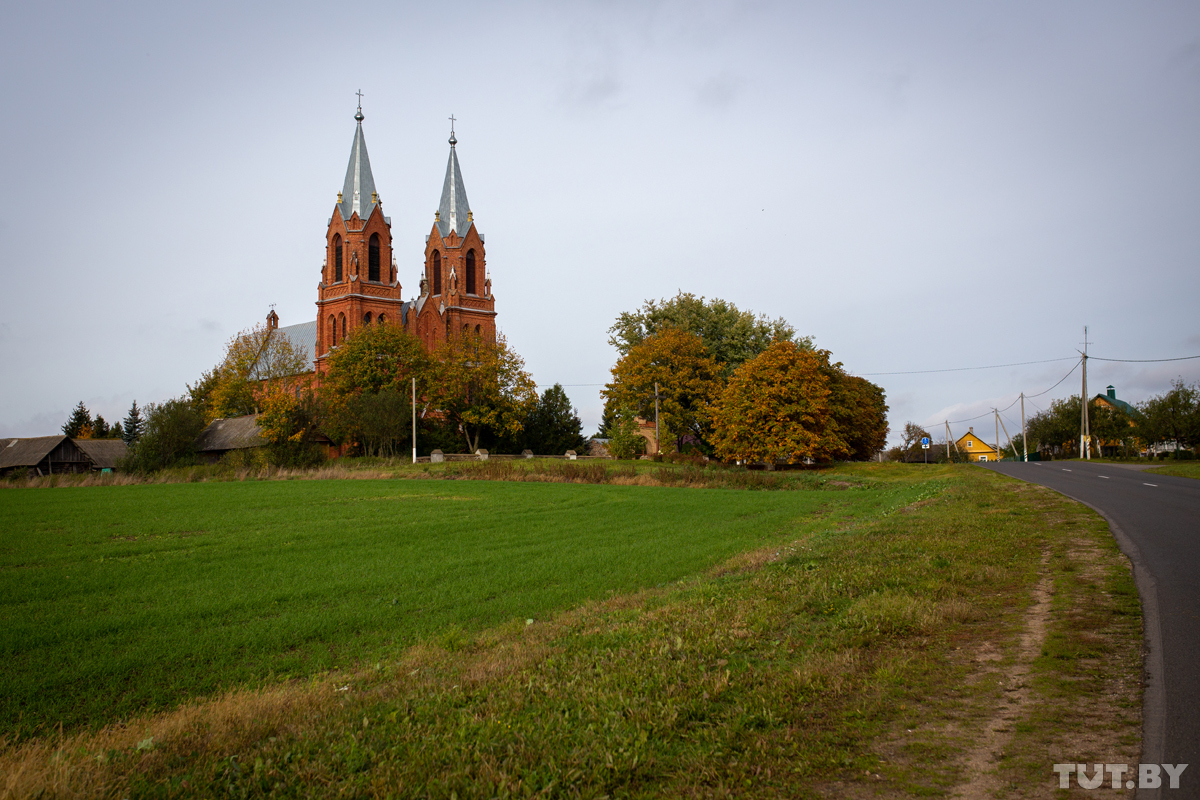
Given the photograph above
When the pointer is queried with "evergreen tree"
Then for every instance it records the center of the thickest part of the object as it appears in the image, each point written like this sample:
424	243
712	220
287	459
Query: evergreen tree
553	427
80	420
100	428
115	432
131	430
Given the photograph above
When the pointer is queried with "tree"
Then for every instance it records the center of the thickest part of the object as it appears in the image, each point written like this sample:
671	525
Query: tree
1056	430
910	441
624	441
115	432
251	357
776	408
479	384
688	378
131	429
100	428
730	336
1173	416
79	423
553	426
366	388
169	437
289	424
859	409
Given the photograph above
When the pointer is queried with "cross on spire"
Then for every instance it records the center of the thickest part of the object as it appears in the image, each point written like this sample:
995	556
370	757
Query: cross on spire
358	115
453	138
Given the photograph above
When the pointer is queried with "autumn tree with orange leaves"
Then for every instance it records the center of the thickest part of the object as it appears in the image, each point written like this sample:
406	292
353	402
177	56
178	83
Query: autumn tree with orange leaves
777	408
689	381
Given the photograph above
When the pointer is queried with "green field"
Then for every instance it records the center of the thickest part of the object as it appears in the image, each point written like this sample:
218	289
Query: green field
117	600
1180	469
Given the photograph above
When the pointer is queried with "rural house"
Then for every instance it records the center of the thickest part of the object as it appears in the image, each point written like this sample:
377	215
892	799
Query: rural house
975	448
55	455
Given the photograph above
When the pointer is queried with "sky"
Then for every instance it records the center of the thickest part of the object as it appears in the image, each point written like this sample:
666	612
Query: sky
916	185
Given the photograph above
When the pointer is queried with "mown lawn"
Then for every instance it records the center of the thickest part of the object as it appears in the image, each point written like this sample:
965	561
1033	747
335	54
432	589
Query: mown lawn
116	600
1180	469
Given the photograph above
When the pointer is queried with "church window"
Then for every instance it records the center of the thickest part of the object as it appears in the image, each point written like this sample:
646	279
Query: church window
478	331
343	327
437	272
337	258
332	331
373	258
381	319
471	272
367	318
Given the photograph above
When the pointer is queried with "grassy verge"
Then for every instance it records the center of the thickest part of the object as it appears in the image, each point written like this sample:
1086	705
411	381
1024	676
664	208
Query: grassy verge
151	594
1183	469
859	655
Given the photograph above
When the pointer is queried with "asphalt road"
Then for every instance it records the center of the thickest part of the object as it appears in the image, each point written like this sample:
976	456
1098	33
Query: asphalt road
1156	519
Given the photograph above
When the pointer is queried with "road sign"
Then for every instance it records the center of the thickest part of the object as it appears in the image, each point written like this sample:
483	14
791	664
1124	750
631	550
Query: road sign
924	442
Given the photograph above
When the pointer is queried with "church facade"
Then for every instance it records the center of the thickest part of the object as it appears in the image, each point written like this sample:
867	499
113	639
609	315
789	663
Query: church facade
360	284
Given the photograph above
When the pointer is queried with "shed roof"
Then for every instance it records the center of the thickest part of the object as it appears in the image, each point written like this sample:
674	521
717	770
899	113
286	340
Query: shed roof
104	453
28	452
235	433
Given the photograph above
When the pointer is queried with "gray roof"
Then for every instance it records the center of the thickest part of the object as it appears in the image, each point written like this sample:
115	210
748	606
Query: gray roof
27	452
236	433
453	212
303	336
104	453
360	184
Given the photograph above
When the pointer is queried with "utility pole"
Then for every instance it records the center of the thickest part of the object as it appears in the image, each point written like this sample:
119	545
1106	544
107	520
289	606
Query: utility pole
1024	436
414	380
657	442
949	442
997	413
1085	433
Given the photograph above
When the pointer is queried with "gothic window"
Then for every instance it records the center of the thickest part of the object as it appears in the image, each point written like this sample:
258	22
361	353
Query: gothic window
380	319
332	331
437	272
373	258
343	327
471	272
367	318
478	331
337	258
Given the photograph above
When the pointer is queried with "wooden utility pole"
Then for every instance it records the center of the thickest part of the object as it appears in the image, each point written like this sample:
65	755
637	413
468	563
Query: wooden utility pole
657	441
414	387
1085	433
997	413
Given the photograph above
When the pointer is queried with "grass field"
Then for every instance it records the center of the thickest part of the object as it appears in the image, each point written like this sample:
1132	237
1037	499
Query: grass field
149	595
885	640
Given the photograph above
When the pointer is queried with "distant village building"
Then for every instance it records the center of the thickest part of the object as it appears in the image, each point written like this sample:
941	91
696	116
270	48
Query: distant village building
225	435
975	448
359	283
58	455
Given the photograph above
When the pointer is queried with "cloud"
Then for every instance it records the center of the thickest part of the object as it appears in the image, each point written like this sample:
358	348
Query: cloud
720	91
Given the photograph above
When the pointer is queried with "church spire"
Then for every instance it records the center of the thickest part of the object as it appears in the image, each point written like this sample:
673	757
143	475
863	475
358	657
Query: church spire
358	191
453	212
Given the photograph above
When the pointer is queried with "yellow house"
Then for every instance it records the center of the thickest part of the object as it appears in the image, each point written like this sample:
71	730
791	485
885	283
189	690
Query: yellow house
975	448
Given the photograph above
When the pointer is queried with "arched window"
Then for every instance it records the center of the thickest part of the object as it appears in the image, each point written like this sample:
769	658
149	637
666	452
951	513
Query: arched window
337	258
471	272
332	331
367	318
437	272
373	258
343	327
381	319
478	330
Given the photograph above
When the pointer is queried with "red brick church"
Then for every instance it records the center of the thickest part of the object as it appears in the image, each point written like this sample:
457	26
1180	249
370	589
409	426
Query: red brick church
359	281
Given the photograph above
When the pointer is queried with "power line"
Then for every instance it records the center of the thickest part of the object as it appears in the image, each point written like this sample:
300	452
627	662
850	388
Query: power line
1143	360
964	369
1014	402
1060	380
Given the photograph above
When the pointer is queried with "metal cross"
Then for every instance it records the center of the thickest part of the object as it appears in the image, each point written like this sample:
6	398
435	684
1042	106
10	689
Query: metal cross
359	93
451	123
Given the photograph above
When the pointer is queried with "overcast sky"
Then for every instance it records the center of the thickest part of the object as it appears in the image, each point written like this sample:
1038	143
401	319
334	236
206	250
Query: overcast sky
918	186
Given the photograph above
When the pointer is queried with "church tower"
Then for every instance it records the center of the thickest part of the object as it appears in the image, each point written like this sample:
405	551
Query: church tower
359	285
456	292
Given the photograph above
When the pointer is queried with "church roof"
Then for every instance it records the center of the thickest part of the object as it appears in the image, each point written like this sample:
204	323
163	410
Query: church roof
453	212
359	187
303	337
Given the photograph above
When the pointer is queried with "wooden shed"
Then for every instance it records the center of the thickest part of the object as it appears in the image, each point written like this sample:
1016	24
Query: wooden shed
51	455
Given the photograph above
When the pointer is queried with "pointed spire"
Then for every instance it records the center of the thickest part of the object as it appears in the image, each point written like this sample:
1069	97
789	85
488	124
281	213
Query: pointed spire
358	192
454	213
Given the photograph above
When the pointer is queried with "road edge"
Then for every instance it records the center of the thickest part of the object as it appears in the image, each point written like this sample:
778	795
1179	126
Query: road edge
1153	688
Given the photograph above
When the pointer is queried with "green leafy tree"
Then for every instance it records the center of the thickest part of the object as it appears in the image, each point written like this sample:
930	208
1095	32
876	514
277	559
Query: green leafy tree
79	423
689	382
1056	430
859	409
131	428
1173	416
289	424
479	385
776	408
624	441
730	336
910	443
554	427
169	437
252	357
